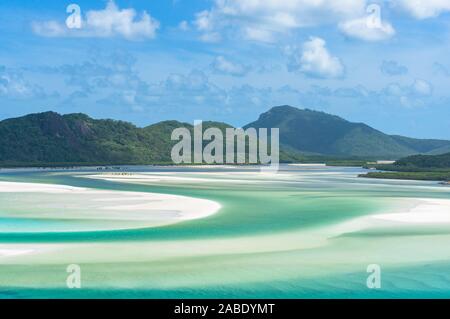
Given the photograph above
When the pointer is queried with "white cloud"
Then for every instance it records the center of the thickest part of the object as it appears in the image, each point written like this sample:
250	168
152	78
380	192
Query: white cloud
184	25
49	28
258	34
211	37
14	85
116	72
224	66
204	20
422	88
262	20
108	22
415	95
393	68
291	13
315	60
361	28
423	9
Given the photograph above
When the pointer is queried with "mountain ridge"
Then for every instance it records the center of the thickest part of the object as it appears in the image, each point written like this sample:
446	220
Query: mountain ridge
49	137
332	135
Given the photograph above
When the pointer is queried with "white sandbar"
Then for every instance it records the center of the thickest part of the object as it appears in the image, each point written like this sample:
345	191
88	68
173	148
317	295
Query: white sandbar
99	207
427	211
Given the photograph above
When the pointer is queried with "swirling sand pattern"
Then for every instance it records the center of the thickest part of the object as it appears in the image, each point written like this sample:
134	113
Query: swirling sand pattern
157	232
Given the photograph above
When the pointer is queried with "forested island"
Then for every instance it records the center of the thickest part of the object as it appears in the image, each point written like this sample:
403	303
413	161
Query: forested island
417	167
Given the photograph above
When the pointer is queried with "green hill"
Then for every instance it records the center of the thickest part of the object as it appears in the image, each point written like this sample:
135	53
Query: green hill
74	139
425	161
416	167
313	132
425	146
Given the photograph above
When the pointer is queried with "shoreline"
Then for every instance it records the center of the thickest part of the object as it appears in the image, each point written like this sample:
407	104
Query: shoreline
438	177
102	209
74	166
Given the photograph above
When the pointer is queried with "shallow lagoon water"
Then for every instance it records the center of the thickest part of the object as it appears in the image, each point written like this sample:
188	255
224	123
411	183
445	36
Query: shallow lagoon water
304	232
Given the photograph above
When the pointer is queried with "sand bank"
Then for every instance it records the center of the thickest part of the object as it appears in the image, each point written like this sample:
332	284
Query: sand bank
426	211
100	209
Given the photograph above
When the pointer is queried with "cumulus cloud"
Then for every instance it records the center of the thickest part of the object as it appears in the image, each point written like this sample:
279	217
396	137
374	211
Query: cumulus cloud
423	9
414	95
370	27
14	85
108	22
419	88
49	28
113	78
224	66
205	23
204	20
262	20
258	34
116	71
388	99
177	91
195	81
315	60
393	68
422	88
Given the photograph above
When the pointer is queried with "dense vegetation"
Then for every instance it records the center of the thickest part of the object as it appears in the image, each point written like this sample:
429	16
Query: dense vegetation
76	138
318	133
418	167
425	161
51	139
424	176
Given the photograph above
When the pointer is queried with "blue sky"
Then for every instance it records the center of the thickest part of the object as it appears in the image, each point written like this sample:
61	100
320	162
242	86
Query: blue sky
385	63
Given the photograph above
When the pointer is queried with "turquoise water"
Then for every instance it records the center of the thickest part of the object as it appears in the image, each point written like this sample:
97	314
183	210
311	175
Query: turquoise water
302	233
